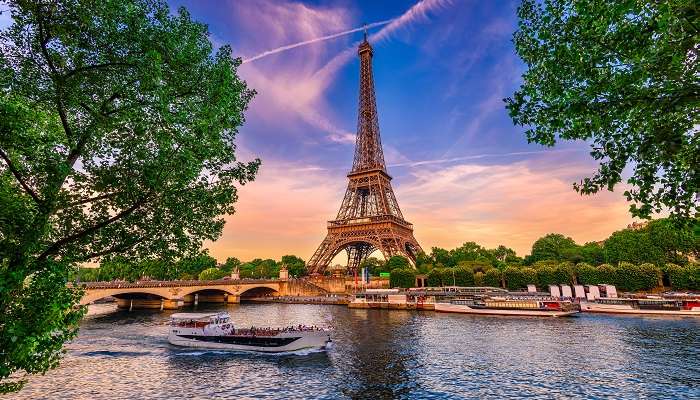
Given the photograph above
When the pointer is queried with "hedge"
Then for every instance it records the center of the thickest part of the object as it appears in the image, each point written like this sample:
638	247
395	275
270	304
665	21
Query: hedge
402	278
587	274
518	278
687	277
493	277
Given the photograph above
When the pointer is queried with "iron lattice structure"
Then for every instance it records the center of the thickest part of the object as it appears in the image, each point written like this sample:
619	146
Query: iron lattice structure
369	218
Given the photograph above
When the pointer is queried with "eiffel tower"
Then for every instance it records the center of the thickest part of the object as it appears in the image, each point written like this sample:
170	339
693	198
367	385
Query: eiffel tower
369	218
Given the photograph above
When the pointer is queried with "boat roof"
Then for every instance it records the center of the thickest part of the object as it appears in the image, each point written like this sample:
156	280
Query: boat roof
196	315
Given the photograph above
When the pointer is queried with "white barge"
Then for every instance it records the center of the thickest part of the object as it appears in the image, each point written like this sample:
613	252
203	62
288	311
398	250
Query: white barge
216	331
527	307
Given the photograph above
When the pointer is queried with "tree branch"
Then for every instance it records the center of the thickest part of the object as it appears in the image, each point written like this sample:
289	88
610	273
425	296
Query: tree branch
90	200
18	177
113	249
96	66
53	248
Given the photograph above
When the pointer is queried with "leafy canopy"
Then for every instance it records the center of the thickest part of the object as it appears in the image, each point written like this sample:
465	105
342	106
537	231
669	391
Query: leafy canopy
625	77
117	128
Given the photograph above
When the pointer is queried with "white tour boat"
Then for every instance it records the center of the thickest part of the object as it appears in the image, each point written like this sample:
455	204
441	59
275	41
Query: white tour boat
215	331
689	306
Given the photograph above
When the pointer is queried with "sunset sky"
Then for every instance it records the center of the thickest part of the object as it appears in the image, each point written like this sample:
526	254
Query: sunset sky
462	171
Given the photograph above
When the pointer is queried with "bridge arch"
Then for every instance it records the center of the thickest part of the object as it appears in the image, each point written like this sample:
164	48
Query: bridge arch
259	291
97	294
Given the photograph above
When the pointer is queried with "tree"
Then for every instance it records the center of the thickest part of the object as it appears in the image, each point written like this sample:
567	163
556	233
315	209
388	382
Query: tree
211	274
295	265
622	76
441	256
374	265
553	246
397	262
592	253
402	278
231	264
493	278
117	136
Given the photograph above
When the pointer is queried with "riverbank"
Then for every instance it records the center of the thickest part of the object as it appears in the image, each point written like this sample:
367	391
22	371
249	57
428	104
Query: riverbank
327	300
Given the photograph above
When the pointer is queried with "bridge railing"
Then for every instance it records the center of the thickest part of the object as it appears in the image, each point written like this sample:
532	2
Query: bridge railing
155	284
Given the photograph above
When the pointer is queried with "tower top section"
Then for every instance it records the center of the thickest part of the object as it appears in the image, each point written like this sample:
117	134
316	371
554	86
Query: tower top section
368	145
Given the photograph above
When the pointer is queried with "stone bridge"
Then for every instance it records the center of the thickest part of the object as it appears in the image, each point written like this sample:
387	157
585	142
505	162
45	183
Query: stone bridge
173	294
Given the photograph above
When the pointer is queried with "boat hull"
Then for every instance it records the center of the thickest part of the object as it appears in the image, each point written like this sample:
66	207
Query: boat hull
464	309
625	309
296	341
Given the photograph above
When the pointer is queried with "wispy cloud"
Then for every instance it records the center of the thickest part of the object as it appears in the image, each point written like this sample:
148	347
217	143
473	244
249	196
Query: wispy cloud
315	40
480	156
418	12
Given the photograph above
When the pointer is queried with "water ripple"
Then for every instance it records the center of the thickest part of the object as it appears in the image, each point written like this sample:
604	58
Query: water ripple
381	354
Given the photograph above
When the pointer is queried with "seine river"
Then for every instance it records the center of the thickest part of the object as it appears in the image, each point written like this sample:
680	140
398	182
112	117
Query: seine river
379	354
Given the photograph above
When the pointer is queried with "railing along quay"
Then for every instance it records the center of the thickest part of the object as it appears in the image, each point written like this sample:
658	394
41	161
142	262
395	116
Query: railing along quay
154	284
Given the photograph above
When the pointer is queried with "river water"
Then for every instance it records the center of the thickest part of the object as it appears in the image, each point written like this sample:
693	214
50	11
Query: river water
380	354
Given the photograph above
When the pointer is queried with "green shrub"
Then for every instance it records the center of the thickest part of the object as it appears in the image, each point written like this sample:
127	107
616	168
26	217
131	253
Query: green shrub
684	278
439	277
493	277
606	274
632	278
587	274
463	276
402	278
518	278
211	274
479	279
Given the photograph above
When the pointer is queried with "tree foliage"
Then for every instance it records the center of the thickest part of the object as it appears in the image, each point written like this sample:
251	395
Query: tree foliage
117	136
402	278
211	274
295	265
553	246
625	77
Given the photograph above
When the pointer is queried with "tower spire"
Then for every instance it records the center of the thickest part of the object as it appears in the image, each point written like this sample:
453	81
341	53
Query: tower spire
368	145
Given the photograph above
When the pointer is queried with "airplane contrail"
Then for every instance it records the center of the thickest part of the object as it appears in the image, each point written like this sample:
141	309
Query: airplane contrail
316	40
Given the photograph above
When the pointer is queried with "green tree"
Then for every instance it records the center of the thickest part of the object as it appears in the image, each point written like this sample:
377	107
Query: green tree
441	256
117	136
211	274
231	264
553	246
402	278
586	274
493	278
463	276
295	265
397	262
592	253
518	278
623	76
630	245
438	277
374	265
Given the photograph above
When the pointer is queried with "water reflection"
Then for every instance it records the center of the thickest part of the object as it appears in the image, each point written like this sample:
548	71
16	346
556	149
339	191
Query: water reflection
383	354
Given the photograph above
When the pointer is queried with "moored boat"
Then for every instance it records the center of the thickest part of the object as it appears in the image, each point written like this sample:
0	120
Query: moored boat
529	307
688	306
216	331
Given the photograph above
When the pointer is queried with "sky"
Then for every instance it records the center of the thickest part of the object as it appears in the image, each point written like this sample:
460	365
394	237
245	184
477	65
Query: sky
462	172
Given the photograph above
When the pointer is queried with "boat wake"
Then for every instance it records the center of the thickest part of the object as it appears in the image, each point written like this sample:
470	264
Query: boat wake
302	352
